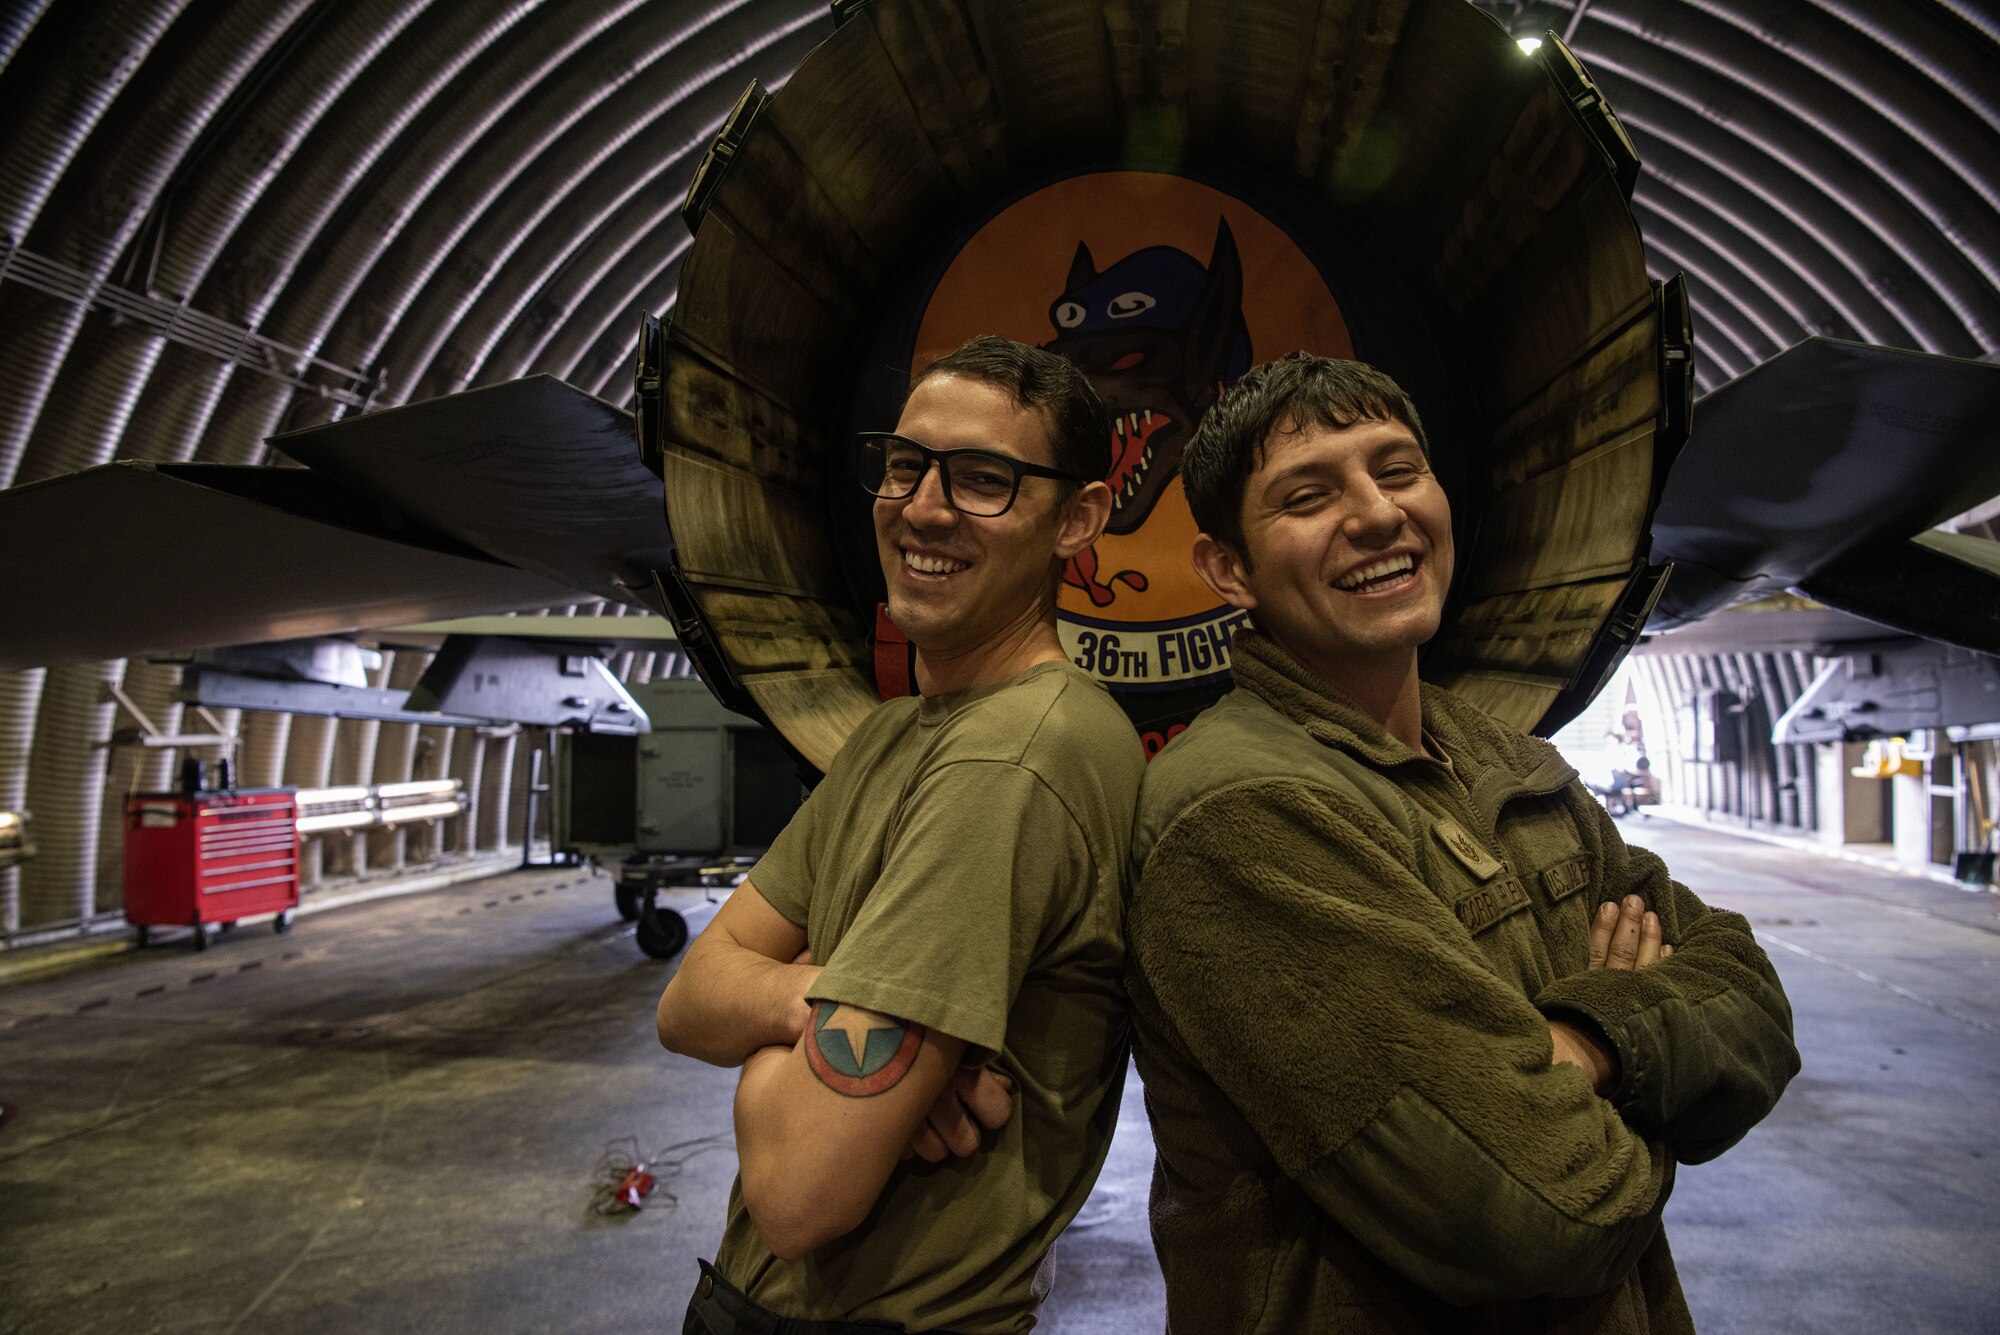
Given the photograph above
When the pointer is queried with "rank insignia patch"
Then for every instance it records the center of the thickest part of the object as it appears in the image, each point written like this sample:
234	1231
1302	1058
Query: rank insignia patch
1466	849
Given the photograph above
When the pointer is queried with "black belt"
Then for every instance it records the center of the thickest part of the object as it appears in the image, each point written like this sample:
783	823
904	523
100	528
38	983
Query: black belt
718	1308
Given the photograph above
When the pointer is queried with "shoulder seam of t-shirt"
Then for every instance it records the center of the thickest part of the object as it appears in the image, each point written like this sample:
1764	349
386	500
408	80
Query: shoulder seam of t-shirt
1063	687
874	719
1048	707
1070	682
1018	753
1028	770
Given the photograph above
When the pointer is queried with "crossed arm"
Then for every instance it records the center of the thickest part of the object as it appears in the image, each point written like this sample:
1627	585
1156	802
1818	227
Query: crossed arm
831	1096
1418	1099
1624	935
1703	1044
1422	1103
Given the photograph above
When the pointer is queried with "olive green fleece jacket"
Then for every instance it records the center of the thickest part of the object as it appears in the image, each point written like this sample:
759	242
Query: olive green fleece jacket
1343	955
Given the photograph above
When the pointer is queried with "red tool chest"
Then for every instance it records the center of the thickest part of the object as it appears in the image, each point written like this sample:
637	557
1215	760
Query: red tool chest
192	859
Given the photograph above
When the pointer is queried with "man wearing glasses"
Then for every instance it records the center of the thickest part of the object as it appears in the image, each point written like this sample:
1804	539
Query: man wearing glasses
937	933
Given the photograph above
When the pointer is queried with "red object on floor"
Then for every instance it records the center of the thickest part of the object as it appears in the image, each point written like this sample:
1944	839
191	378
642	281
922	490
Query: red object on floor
210	857
634	1188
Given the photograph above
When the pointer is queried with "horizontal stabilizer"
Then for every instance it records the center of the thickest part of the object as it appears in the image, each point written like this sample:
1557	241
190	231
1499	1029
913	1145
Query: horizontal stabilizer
1827	449
534	472
1942	586
135	558
641	633
1780	625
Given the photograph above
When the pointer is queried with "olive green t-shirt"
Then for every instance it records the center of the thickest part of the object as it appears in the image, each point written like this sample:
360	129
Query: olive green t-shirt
961	867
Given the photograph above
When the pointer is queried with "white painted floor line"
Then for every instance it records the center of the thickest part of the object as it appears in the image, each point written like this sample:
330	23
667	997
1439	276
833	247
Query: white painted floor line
1882	983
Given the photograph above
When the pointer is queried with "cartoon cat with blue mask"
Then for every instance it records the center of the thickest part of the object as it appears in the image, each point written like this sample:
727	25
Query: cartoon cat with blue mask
1159	334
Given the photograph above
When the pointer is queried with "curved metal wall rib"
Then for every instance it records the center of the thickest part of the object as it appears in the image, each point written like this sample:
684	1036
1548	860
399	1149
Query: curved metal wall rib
15	25
485	171
636	276
636	215
606	369
1900	109
641	272
64	92
66	88
102	374
1916	36
1794	254
1798	311
1858	226
1723	352
1829	256
345	178
1976	16
551	124
1753	308
1782	98
1729	300
369	274
1856	161
530	235
80	799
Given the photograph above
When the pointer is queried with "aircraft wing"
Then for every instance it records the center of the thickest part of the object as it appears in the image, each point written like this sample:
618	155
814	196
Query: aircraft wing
533	472
610	634
1781	624
1941	586
139	558
520	495
1824	470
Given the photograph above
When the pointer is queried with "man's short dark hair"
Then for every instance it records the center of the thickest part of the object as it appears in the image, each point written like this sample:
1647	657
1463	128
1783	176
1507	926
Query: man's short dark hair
1079	429
1289	394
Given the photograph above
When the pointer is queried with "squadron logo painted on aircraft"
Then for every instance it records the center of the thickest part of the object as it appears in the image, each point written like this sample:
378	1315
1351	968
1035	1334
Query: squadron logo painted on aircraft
1163	290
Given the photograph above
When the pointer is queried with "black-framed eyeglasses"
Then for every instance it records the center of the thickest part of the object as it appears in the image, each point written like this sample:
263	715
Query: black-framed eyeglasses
981	483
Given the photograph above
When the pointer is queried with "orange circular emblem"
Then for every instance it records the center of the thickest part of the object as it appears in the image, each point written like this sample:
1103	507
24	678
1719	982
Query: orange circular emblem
1163	290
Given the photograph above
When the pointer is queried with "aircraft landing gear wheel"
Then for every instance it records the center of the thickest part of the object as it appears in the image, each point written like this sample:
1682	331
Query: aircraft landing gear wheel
283	922
200	934
662	932
628	900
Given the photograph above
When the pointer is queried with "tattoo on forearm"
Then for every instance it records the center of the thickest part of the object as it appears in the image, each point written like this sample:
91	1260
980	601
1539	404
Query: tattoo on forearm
859	1052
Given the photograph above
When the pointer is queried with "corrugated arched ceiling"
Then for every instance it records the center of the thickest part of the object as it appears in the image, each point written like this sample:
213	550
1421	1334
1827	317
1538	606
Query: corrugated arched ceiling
219	220
1814	166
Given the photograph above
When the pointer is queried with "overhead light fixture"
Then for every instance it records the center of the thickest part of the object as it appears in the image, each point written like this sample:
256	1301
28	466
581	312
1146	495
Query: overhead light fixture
1534	21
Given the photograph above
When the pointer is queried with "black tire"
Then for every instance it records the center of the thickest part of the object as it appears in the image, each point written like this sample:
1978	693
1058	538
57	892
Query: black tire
283	922
662	932
145	936
200	935
228	927
629	898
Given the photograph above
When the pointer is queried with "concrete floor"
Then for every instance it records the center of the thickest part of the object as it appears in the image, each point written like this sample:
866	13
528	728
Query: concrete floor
389	1120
